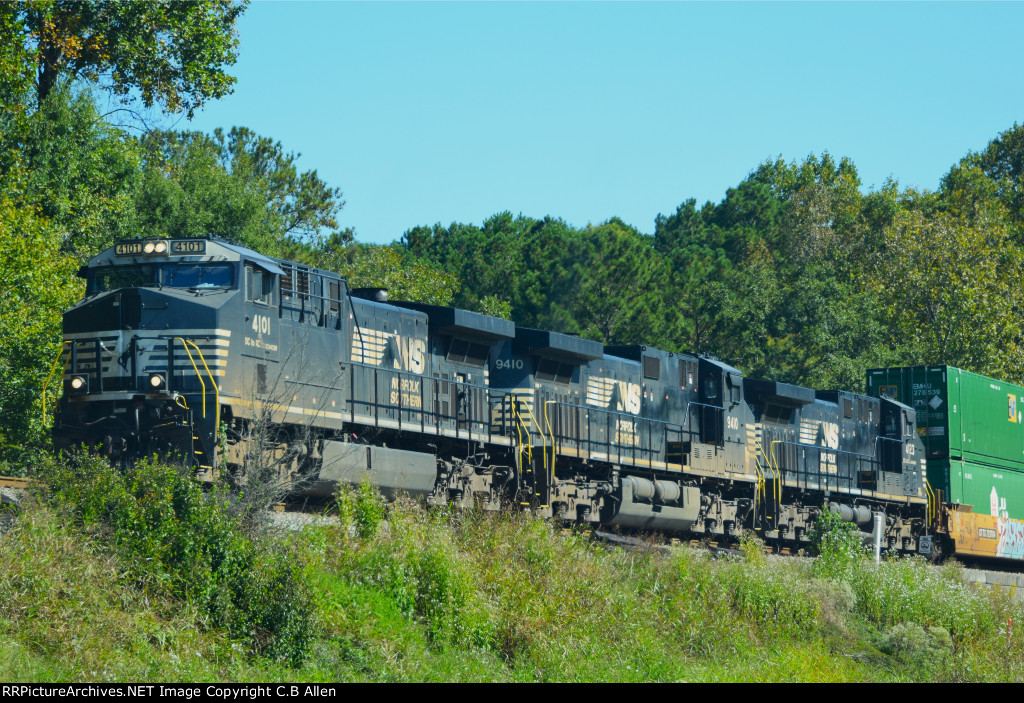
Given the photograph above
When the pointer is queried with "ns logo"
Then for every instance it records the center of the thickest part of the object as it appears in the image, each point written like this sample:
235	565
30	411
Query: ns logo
390	350
829	436
620	396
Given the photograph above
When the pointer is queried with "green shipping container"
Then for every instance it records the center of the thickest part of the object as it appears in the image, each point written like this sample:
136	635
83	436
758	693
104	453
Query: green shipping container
972	427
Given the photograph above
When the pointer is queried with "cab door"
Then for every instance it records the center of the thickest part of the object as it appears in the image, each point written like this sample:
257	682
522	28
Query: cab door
894	427
261	337
712	413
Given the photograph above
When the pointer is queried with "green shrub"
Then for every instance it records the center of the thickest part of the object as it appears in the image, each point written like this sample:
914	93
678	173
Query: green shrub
189	542
837	545
449	595
752	548
911	590
924	648
362	508
772	595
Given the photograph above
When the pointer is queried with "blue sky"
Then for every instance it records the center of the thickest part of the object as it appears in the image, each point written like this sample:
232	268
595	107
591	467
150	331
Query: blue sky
432	112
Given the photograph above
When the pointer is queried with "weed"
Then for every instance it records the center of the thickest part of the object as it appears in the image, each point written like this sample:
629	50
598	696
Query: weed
189	543
925	649
93	586
836	544
752	548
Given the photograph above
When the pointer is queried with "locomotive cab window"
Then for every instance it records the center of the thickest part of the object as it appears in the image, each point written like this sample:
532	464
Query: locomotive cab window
551	370
334	297
777	414
197	275
466	352
179	275
735	383
259	285
710	388
892	425
122	277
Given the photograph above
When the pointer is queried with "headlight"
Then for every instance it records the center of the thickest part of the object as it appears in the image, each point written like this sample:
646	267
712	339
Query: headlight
79	383
150	246
161	247
156	381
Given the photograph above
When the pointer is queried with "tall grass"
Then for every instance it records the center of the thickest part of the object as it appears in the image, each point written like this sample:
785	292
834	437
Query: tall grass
181	541
523	600
143	575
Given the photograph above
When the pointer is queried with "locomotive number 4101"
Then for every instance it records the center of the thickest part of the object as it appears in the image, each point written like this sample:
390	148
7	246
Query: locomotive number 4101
261	324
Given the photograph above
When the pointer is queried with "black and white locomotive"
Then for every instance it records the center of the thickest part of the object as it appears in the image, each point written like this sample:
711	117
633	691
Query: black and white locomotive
235	361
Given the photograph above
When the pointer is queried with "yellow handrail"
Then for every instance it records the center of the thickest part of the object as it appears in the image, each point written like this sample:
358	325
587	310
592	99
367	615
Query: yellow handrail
552	433
528	448
757	462
778	472
931	507
514	402
759	488
540	432
543	445
46	383
216	391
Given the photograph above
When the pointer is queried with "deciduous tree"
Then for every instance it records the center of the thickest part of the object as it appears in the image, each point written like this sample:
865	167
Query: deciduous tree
168	53
950	292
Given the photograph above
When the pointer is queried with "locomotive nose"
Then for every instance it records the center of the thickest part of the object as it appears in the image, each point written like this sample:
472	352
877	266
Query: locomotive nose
142	309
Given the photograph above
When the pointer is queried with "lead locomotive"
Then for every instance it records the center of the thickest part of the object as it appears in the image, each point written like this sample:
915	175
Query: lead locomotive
243	364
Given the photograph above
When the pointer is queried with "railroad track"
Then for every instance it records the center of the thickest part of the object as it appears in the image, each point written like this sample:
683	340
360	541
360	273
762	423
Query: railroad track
14	482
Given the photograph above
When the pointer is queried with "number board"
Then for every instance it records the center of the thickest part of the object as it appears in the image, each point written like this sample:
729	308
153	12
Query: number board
129	248
188	246
177	246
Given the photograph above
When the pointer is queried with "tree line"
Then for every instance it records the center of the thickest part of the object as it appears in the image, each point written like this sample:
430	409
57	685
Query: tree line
796	274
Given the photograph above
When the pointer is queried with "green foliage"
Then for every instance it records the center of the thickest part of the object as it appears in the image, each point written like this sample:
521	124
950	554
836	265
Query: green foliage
79	171
941	280
171	53
752	548
910	590
994	175
368	509
16	74
601	281
495	306
795	275
766	279
926	648
616	298
441	595
773	596
190	544
38	283
236	185
837	545
370	266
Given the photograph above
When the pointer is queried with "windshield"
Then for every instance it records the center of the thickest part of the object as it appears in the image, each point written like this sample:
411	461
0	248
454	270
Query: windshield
122	277
170	275
196	275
